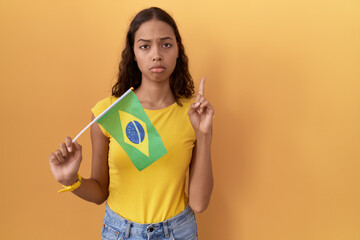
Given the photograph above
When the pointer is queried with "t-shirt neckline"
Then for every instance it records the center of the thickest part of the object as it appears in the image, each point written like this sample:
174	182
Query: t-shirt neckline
162	109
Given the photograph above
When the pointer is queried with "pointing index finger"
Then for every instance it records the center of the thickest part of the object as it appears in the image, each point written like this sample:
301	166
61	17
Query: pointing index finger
201	87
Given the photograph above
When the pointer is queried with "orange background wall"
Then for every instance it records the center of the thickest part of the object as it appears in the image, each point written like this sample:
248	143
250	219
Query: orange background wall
283	76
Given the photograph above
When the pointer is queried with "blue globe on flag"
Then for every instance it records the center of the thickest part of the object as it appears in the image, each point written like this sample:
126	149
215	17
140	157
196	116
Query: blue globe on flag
135	132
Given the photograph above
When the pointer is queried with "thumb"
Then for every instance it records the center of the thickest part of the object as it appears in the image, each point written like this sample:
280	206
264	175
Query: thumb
77	146
193	108
77	152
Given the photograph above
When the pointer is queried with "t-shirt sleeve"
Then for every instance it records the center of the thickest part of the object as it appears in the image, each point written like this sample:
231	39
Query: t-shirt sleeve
186	102
99	108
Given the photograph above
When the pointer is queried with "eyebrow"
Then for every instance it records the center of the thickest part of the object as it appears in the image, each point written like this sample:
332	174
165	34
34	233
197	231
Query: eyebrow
161	39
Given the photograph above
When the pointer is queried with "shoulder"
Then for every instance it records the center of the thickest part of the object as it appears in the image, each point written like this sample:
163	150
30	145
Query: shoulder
186	102
101	105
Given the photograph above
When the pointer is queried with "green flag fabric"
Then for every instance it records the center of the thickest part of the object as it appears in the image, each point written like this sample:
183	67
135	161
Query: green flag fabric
129	125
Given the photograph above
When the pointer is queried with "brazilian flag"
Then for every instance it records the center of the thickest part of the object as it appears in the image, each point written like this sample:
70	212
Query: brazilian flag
129	125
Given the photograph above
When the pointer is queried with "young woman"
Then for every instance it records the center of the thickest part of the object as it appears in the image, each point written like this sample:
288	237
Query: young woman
152	203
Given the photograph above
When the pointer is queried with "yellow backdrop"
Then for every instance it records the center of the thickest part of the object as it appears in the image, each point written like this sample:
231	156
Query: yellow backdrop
282	75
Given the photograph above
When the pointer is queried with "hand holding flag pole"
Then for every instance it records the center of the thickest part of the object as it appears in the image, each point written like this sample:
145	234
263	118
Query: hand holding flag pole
127	122
65	162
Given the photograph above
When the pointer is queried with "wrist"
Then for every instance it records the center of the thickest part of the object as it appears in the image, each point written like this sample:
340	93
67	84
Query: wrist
203	137
69	181
72	187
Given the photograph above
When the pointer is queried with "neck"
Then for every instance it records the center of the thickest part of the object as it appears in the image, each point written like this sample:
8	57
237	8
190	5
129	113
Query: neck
155	95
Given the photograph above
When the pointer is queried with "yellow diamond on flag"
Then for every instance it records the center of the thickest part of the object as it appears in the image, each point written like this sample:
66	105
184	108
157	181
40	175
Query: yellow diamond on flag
134	132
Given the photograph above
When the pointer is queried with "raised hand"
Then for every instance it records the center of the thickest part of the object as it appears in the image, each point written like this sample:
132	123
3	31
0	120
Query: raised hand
65	162
201	112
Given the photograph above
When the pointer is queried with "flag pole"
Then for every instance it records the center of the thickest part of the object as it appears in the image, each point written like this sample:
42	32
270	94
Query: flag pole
103	113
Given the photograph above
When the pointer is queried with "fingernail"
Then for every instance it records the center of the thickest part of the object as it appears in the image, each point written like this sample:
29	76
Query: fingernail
69	149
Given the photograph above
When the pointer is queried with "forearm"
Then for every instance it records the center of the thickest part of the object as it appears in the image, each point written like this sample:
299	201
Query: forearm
201	176
91	190
95	189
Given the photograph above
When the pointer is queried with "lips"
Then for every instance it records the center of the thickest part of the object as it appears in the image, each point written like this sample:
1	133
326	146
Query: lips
157	68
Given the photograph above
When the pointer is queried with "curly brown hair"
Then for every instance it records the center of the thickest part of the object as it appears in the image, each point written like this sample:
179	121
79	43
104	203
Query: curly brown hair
181	83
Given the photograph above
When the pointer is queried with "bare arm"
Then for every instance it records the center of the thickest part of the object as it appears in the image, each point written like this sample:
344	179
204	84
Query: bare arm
95	189
65	164
200	175
200	170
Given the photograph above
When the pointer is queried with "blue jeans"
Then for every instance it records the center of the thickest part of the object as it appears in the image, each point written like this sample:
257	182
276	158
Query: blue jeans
181	227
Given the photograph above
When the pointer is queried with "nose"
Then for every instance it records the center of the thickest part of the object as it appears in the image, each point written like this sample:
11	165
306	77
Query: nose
156	55
156	58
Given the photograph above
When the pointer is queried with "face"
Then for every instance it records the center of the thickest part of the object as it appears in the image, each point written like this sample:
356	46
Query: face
155	50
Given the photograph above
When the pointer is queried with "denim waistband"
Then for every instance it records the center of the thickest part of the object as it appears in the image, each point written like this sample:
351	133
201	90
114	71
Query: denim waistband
139	228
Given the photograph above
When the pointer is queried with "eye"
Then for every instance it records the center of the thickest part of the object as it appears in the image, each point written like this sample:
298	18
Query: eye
167	45
145	46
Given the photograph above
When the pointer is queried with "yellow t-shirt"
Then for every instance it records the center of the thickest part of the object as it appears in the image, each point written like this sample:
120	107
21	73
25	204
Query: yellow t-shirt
156	193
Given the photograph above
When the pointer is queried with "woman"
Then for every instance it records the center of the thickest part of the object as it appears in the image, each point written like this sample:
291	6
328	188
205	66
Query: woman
152	203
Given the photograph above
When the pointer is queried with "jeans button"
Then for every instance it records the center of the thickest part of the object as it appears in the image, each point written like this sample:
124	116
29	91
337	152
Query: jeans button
151	229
